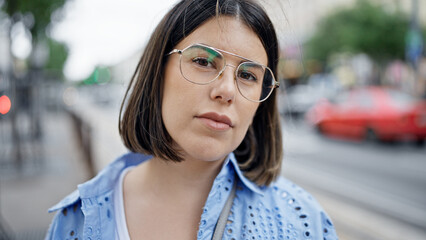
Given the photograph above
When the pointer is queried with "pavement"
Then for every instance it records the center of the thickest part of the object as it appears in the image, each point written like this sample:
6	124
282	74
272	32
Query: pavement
55	165
52	168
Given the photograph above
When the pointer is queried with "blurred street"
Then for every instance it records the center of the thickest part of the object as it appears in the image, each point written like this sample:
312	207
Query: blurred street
349	68
46	176
372	191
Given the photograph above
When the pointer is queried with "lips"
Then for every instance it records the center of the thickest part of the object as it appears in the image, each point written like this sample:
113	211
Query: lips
216	121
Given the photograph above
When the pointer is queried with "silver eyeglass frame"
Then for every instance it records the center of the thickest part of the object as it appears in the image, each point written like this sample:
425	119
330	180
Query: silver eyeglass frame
276	84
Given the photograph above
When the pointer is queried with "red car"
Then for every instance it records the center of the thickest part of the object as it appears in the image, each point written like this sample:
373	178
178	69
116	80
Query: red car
371	113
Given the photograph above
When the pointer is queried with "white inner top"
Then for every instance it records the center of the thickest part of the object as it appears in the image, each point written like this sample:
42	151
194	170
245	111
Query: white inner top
121	232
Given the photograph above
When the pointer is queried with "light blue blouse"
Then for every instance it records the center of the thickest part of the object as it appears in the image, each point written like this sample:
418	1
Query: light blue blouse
280	211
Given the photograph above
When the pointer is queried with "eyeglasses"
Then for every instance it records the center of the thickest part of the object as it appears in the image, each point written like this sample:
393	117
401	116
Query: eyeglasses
201	64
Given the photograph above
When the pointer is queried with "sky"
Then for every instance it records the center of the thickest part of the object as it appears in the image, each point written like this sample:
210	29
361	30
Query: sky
105	32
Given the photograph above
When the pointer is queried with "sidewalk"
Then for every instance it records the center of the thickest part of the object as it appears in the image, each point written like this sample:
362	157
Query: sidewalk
26	195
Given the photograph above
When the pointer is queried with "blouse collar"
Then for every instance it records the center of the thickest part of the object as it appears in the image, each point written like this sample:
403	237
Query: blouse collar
248	183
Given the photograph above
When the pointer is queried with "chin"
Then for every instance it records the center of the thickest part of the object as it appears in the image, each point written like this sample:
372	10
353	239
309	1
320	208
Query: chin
207	149
207	156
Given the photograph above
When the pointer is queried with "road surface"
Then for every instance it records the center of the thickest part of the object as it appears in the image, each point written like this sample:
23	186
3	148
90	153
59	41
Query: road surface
372	191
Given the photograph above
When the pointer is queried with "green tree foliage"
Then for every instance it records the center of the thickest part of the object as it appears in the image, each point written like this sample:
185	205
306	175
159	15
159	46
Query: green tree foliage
41	10
57	55
365	28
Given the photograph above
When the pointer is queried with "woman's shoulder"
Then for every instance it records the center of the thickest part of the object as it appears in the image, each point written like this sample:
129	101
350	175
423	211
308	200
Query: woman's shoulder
285	191
82	210
295	199
284	210
78	214
103	182
67	222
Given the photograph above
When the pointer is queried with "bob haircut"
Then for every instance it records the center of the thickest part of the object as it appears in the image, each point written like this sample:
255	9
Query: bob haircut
141	126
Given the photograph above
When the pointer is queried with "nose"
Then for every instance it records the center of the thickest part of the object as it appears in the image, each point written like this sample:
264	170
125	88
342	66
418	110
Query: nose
224	88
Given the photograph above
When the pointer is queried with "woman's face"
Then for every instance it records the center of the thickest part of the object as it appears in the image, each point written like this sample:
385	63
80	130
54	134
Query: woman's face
207	122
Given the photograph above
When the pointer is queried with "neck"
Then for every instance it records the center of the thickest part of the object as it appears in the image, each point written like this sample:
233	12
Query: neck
166	199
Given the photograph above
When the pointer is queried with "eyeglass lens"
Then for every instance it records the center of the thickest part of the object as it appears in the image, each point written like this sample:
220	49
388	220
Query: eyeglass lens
202	65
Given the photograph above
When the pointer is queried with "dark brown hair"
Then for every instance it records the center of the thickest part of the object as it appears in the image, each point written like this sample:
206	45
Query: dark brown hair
141	126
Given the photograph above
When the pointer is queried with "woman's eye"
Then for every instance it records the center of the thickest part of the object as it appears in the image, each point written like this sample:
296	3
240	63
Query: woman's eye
247	76
202	62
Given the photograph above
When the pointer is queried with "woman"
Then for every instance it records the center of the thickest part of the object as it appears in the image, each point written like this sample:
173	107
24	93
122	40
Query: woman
202	124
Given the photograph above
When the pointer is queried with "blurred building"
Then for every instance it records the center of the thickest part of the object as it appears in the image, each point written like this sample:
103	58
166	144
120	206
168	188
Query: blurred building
304	15
300	22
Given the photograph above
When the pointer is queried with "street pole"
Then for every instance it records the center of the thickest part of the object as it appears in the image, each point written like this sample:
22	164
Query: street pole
415	14
414	46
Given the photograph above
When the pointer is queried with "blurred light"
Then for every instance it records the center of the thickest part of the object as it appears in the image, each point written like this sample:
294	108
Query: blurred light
40	54
70	96
5	58
100	75
5	104
21	41
29	20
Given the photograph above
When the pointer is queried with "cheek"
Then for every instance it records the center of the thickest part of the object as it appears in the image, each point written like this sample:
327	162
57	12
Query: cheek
176	89
177	101
170	87
177	97
247	114
250	112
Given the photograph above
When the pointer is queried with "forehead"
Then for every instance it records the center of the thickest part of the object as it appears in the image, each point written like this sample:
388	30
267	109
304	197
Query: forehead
229	34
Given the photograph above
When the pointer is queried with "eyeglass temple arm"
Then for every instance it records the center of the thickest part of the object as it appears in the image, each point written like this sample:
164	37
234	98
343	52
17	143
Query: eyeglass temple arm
277	84
175	51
